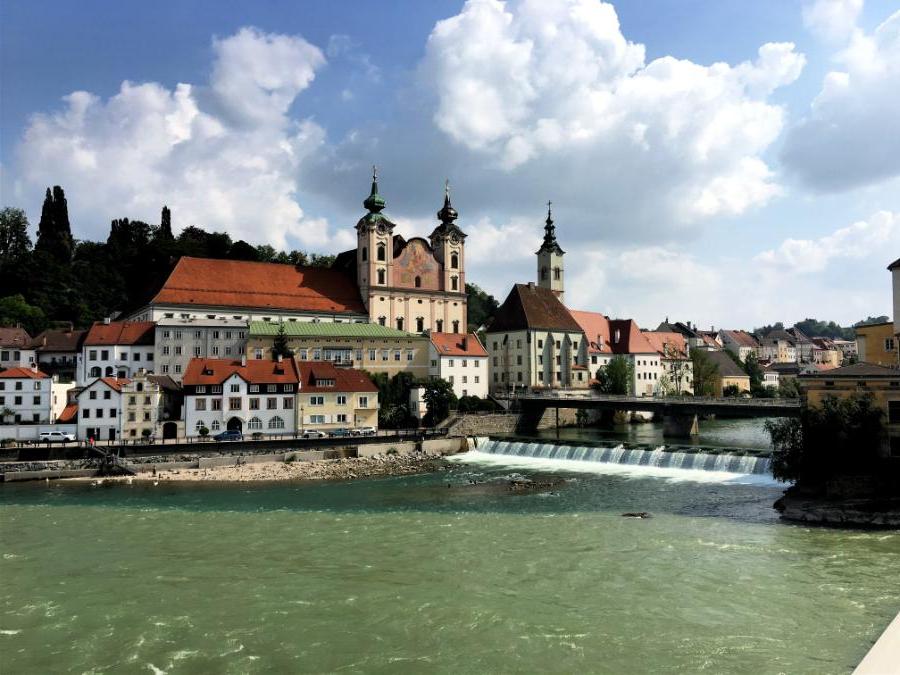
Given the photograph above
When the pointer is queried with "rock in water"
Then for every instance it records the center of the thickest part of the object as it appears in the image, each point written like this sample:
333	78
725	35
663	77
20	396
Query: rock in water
636	514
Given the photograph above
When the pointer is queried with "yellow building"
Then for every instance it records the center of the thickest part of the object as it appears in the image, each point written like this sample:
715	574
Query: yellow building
332	398
881	382
877	344
730	374
368	346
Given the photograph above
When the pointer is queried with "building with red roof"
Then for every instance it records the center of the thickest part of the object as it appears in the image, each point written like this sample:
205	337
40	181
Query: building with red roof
115	349
462	360
332	398
99	407
15	348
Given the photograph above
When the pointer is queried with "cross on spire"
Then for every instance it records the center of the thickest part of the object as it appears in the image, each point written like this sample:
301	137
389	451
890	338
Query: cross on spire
374	173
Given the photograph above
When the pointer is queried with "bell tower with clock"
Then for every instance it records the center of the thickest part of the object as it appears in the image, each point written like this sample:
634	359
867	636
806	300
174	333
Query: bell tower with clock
374	244
448	243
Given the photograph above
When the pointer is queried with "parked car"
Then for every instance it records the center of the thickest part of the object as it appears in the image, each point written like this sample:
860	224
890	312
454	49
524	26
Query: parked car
56	437
313	433
229	435
339	433
363	431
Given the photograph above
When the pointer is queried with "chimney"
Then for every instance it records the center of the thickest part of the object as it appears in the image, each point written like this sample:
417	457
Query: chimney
465	343
34	367
106	320
243	360
278	358
530	284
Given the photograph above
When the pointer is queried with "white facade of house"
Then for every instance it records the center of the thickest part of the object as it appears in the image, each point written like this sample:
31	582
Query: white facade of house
99	405
16	357
113	361
27	399
537	358
59	397
467	374
180	340
253	405
771	378
161	313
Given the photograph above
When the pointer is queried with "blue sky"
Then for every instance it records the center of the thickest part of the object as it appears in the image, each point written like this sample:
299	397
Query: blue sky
716	193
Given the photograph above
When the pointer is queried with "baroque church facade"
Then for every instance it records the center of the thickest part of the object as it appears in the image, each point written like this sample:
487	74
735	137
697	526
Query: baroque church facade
414	284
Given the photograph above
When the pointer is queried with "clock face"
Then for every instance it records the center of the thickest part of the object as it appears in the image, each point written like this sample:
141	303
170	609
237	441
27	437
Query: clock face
382	229
454	239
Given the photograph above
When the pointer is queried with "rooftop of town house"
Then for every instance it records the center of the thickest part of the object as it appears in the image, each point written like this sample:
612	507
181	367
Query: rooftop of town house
15	338
530	307
104	333
727	366
857	371
58	340
894	265
253	371
742	338
323	376
668	344
218	322
210	282
115	383
457	344
22	374
332	329
68	415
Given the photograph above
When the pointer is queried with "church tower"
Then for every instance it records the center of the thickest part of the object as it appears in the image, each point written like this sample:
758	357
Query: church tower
448	242
374	244
550	265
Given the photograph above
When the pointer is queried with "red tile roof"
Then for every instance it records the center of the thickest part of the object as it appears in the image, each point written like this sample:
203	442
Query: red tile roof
742	338
531	307
669	345
113	382
259	285
611	336
256	371
20	373
14	337
596	329
345	379
68	415
457	344
120	333
627	338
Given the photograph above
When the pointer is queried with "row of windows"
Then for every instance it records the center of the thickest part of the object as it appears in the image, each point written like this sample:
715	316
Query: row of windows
235	388
98	413
18	385
132	400
16	355
123	356
540	344
253	423
198	334
465	379
465	363
381	255
132	417
236	403
340	418
198	350
17	400
344	355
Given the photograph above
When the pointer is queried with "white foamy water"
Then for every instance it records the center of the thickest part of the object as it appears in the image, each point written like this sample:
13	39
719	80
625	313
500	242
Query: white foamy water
670	473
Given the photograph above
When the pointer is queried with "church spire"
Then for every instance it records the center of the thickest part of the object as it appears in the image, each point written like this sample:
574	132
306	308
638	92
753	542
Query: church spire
447	214
550	243
374	202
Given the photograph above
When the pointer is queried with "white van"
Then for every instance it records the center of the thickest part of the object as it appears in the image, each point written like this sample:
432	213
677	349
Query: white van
56	437
363	431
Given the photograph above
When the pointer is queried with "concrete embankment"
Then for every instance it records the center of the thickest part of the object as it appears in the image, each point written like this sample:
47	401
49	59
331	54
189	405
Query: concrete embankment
884	657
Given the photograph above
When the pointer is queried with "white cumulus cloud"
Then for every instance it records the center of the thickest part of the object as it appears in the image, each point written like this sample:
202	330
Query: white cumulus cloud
223	155
832	20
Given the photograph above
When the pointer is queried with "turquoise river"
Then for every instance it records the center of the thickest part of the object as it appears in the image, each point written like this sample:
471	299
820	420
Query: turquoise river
433	573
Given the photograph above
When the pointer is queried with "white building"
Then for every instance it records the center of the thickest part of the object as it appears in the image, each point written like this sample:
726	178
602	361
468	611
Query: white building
99	404
460	359
116	349
258	395
740	342
26	396
771	377
15	349
151	406
180	340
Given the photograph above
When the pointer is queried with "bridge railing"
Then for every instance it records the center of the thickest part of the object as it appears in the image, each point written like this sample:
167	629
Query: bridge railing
672	400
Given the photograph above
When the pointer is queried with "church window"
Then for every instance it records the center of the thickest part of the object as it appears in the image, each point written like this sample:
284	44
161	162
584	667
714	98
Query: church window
382	252
418	283
420	324
440	325
557	273
454	283
399	323
543	273
454	261
365	253
381	276
382	320
456	326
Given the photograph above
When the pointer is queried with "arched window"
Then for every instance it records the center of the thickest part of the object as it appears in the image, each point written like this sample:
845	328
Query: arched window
276	423
557	273
254	423
382	320
215	425
543	273
456	326
439	325
381	277
382	252
420	324
454	261
121	374
109	371
454	283
365	253
200	424
418	282
399	323
140	386
95	371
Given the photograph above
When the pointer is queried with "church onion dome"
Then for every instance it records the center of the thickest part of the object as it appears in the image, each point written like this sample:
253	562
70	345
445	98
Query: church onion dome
374	204
550	244
447	215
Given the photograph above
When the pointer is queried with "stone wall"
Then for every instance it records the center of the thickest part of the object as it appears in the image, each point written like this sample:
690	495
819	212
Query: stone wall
506	423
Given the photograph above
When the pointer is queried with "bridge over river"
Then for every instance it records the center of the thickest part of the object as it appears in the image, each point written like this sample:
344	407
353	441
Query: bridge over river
680	414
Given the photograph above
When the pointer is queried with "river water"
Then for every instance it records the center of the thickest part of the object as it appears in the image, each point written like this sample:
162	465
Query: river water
434	574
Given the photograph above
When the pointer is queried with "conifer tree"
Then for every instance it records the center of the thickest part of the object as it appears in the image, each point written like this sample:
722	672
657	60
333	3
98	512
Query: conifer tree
54	231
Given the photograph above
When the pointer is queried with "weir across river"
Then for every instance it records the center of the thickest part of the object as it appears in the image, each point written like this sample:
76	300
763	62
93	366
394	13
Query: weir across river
680	414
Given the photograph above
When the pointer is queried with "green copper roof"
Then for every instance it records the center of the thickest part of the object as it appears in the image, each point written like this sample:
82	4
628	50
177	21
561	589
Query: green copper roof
326	329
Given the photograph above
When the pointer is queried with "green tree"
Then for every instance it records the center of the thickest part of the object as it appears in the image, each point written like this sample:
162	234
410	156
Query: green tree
705	373
480	307
754	370
280	344
616	377
731	391
15	311
788	388
54	232
15	244
439	398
